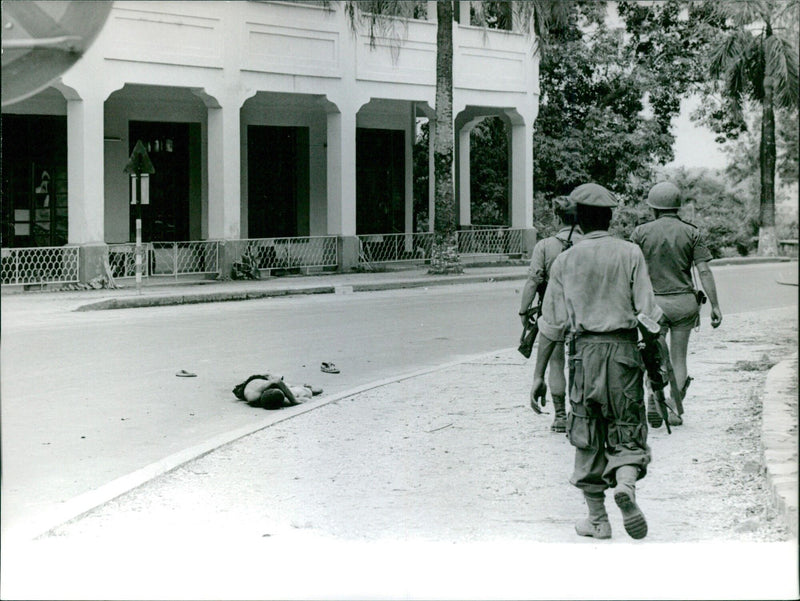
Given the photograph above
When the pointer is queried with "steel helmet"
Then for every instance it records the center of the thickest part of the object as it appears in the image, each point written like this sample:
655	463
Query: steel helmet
565	208
664	195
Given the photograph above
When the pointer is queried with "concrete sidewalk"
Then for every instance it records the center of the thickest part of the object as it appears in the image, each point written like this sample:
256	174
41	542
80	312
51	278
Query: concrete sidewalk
166	292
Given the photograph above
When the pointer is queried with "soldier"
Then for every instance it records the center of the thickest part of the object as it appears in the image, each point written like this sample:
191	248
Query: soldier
597	288
670	246
544	253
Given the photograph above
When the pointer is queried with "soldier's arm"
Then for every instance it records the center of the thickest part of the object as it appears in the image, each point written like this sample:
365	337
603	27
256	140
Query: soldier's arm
535	276
644	301
710	287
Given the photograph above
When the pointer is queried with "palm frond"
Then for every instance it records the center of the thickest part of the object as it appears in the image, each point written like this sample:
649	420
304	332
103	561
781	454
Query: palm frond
782	64
536	17
729	51
747	12
386	19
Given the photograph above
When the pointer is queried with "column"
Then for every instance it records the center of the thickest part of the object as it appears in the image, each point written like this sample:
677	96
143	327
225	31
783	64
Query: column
464	175
341	156
521	181
411	134
341	181
463	13
85	170
432	10
224	171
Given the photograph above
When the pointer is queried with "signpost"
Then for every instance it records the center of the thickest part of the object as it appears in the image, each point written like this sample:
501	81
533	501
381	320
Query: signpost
140	168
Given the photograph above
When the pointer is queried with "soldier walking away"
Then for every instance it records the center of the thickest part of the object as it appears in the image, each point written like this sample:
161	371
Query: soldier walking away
542	257
671	246
607	284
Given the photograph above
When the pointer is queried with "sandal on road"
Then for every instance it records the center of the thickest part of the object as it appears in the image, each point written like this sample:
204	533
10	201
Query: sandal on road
185	374
329	368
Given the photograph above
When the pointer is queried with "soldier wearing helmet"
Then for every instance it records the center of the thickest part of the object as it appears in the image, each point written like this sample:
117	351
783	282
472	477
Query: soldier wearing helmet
671	246
544	253
596	292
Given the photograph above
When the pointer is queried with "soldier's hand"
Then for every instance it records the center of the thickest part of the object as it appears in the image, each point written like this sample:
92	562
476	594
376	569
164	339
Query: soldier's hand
538	394
524	319
716	317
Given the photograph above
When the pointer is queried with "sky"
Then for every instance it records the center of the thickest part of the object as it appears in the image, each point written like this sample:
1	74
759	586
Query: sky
694	145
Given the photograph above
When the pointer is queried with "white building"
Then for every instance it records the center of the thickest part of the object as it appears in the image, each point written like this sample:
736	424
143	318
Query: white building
263	120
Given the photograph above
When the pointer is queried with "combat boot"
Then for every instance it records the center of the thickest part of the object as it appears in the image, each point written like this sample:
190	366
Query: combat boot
653	416
625	498
560	420
674	419
596	525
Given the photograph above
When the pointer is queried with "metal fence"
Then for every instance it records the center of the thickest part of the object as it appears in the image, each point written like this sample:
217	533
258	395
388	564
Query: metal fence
40	265
122	259
184	258
497	241
394	248
60	264
290	253
169	259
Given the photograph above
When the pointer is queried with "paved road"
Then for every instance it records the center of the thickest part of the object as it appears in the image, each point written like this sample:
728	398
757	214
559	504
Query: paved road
90	397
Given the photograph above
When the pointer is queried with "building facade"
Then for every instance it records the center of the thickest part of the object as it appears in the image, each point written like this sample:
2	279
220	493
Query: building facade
263	120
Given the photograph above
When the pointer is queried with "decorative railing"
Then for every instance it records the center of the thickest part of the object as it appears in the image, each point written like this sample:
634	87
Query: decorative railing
394	248
122	260
40	265
290	253
165	258
60	264
497	241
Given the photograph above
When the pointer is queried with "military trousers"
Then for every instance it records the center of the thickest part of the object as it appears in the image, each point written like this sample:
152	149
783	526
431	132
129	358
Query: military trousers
607	421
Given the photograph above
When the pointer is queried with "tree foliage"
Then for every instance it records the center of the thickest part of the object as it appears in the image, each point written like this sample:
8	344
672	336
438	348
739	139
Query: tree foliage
757	60
609	95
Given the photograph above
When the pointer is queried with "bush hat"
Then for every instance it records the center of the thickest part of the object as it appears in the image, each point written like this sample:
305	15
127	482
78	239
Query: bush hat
664	195
593	195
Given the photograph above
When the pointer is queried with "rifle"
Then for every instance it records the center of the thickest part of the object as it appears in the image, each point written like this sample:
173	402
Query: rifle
530	330
572	359
655	357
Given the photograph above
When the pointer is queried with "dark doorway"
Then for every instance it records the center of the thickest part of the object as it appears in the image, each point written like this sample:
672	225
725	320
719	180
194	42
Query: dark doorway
277	181
166	218
380	181
34	207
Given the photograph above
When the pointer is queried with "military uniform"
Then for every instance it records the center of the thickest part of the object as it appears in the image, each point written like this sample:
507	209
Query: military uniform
545	252
671	246
542	257
596	290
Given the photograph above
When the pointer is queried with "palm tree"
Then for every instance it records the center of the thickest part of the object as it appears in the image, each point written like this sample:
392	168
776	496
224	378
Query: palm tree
382	15
757	60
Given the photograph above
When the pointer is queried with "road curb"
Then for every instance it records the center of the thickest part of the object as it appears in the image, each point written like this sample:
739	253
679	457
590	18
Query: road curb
134	302
80	505
779	439
186	299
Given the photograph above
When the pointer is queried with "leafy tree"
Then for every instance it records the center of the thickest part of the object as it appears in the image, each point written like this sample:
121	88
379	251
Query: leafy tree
609	96
757	60
489	172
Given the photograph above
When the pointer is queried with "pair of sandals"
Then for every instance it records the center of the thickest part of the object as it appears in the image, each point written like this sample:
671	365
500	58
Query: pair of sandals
329	368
